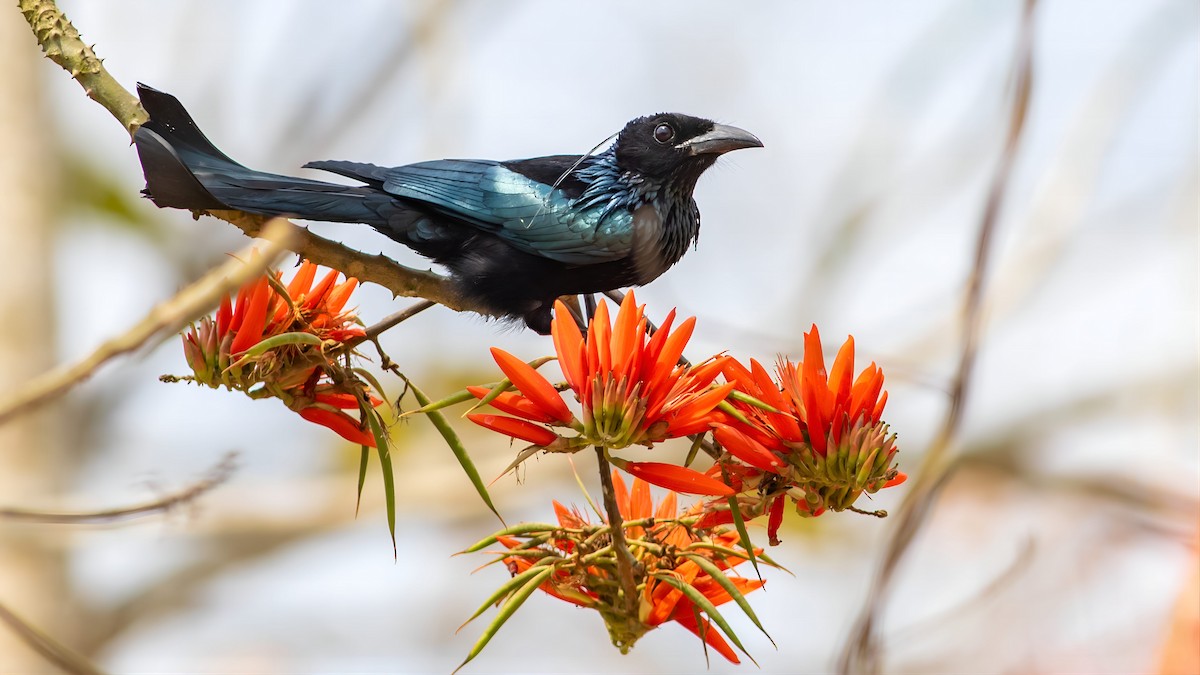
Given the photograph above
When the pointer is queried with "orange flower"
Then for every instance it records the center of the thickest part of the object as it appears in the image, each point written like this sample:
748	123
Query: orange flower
664	542
268	343
629	383
675	477
822	441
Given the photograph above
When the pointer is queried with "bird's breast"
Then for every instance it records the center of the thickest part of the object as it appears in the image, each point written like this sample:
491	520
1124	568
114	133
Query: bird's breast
649	259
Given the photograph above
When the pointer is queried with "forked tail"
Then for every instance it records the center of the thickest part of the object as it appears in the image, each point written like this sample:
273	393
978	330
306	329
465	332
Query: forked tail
185	170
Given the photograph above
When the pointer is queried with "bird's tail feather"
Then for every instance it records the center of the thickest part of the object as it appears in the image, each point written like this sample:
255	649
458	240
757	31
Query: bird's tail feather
185	170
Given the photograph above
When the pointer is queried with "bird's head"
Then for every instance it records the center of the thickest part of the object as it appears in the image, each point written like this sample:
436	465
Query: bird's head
670	144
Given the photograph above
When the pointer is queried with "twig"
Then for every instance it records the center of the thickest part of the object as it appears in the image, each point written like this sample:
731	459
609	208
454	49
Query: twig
616	526
57	653
862	652
167	318
217	475
62	44
389	322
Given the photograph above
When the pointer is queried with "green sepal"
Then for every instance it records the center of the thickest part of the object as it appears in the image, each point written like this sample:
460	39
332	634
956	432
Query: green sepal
389	478
727	408
704	604
725	582
453	399
514	603
362	477
508	587
515	530
460	452
281	340
743	397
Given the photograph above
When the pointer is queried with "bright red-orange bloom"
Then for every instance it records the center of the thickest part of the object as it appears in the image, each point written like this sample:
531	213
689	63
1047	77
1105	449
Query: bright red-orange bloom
675	477
631	387
268	343
594	586
823	441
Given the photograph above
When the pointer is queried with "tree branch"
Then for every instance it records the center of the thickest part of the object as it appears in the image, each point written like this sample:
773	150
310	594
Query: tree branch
217	475
862	652
168	317
57	653
616	528
62	44
378	269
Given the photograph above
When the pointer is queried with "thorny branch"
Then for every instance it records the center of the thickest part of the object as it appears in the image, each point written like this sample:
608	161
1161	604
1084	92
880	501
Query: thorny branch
55	652
216	476
167	318
616	527
862	653
62	44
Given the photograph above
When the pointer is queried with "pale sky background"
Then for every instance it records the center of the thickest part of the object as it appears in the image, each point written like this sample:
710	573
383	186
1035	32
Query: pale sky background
882	123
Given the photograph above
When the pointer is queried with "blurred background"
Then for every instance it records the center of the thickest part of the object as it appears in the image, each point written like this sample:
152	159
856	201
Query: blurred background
1061	541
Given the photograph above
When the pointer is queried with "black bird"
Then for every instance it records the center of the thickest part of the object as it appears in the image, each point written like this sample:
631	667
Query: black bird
514	235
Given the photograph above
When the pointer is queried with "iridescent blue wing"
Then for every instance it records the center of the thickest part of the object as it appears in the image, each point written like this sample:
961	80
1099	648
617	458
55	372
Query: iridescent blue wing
525	212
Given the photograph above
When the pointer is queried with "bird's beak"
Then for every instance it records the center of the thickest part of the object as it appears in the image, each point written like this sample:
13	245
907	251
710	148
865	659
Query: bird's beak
720	140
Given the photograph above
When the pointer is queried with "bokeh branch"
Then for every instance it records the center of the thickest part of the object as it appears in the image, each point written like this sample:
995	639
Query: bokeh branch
165	319
62	44
57	653
862	653
216	476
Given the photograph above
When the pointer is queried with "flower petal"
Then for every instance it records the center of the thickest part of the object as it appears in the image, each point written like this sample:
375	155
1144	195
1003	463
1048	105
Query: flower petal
620	495
640	503
699	407
339	295
345	426
865	393
746	448
668	507
250	332
626	343
568	518
672	349
535	387
842	373
677	478
655	344
600	341
710	634
317	294
775	519
516	428
343	400
568	344
878	412
303	279
224	316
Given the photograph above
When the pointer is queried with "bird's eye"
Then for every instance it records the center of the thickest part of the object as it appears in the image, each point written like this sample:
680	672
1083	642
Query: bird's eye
663	133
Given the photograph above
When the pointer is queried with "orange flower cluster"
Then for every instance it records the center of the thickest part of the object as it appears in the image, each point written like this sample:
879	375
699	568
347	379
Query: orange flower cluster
816	437
631	387
272	342
813	436
665	544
